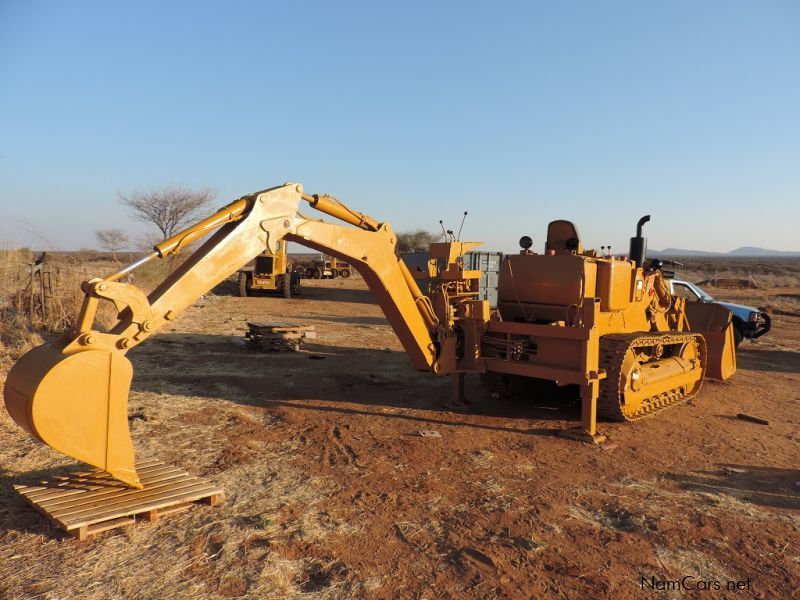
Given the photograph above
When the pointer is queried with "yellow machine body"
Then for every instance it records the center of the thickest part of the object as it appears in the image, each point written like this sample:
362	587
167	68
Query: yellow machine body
609	326
270	273
340	268
328	267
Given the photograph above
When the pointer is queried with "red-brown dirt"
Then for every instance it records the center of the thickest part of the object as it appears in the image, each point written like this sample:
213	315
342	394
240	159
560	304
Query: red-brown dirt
334	493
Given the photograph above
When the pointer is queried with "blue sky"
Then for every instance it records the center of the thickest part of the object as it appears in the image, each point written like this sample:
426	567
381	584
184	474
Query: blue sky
520	112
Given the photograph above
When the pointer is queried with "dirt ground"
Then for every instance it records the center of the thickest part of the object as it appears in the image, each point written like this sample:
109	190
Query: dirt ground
332	492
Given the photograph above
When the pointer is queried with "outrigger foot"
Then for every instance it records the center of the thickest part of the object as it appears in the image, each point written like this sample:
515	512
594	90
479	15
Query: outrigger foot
580	434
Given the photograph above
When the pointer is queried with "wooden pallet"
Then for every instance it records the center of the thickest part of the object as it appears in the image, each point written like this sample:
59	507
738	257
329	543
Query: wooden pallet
88	502
279	337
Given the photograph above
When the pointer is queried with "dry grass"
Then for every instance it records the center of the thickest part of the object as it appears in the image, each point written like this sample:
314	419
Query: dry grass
273	536
18	334
245	551
773	272
23	322
777	277
248	549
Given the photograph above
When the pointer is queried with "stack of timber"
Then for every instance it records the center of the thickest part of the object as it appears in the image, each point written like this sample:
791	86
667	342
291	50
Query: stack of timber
278	337
84	503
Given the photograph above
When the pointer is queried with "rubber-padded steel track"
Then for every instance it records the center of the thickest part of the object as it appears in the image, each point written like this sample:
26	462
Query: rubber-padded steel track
612	353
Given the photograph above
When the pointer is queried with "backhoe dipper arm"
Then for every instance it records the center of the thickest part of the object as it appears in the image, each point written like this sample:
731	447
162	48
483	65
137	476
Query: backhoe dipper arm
72	394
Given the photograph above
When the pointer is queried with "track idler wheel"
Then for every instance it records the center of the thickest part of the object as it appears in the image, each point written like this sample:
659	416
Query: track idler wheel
649	373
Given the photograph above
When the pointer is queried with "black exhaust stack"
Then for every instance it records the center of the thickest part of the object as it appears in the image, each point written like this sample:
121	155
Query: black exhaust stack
638	251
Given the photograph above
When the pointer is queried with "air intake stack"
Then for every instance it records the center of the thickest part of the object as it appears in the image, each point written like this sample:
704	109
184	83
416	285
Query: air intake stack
638	251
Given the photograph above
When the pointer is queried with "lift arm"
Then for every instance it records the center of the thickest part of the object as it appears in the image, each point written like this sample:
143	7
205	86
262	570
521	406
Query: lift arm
72	394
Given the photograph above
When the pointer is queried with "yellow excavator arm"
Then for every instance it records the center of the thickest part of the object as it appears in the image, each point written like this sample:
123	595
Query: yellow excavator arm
72	394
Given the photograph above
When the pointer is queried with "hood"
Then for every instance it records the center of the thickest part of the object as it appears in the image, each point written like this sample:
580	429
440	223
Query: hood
738	308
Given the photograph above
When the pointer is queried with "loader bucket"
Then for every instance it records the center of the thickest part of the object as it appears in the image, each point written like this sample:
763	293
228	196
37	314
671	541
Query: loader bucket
715	323
76	403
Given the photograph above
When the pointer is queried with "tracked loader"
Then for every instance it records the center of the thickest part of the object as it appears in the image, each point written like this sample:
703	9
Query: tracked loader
606	325
609	327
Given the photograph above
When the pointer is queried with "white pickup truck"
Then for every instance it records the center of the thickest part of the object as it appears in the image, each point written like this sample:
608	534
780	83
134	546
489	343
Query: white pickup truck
748	322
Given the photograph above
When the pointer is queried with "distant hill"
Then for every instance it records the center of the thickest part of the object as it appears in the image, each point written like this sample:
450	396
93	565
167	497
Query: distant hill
681	252
743	251
753	251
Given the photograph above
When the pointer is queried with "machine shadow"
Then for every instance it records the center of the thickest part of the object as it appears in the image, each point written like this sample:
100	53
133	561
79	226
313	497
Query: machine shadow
340	377
778	361
229	287
334	293
765	486
309	289
354	320
16	514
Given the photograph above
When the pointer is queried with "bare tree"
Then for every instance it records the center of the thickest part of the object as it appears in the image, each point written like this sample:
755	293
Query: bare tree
111	240
169	208
145	241
415	241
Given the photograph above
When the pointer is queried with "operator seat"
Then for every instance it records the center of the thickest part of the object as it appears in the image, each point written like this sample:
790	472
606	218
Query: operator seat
563	238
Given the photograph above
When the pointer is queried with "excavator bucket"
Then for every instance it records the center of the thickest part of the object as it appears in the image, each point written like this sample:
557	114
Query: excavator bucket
76	401
715	323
